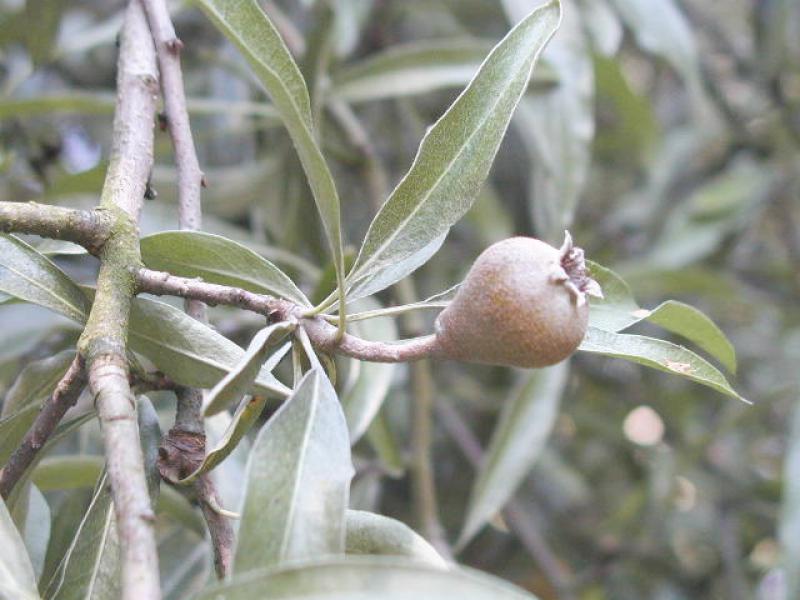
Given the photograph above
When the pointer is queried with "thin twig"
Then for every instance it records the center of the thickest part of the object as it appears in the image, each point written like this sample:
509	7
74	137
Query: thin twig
89	228
161	283
219	526
104	339
188	415
422	470
64	396
323	335
523	527
422	473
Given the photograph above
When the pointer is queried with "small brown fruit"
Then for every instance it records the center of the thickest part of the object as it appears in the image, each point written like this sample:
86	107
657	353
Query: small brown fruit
522	304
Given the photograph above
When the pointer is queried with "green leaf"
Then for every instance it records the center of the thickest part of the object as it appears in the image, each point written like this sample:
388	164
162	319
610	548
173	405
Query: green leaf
67	472
32	387
17	579
370	533
239	380
16	498
366	577
385	444
90	568
66	522
413	68
174	505
455	156
618	311
517	441
697	226
75	102
367	383
603	27
42	19
557	126
298	478
661	28
30	276
248	411
658	354
418	67
395	272
50	247
635	126
216	259
37	529
150	441
189	352
246	25
99	103
37	381
695	326
184	562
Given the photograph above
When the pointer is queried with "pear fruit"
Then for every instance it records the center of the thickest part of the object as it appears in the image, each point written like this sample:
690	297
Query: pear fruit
523	304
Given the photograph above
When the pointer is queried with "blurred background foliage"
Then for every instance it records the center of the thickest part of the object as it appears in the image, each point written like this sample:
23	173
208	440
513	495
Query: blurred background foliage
663	133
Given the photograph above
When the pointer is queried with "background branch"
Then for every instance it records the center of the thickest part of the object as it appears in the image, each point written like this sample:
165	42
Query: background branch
188	415
89	228
323	335
522	526
63	398
103	342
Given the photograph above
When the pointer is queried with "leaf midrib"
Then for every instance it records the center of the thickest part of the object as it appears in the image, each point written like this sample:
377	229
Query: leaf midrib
300	461
200	358
46	290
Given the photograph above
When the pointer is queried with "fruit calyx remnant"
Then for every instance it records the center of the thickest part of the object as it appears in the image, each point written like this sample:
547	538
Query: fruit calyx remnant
574	274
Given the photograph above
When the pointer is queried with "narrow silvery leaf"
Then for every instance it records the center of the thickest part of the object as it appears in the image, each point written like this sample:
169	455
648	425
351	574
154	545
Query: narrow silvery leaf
37	381
298	479
658	354
17	579
66	472
30	276
517	441
558	126
455	156
37	528
661	28
189	352
382	279
618	310
23	401
216	259
366	577
695	326
409	69
245	24
90	567
373	534
239	380
602	26
244	418
65	523
150	441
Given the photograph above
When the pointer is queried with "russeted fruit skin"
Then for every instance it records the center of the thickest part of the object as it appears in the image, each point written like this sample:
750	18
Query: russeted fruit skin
516	307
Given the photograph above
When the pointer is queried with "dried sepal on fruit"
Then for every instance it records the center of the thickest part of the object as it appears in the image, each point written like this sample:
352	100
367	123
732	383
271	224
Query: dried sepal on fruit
523	303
